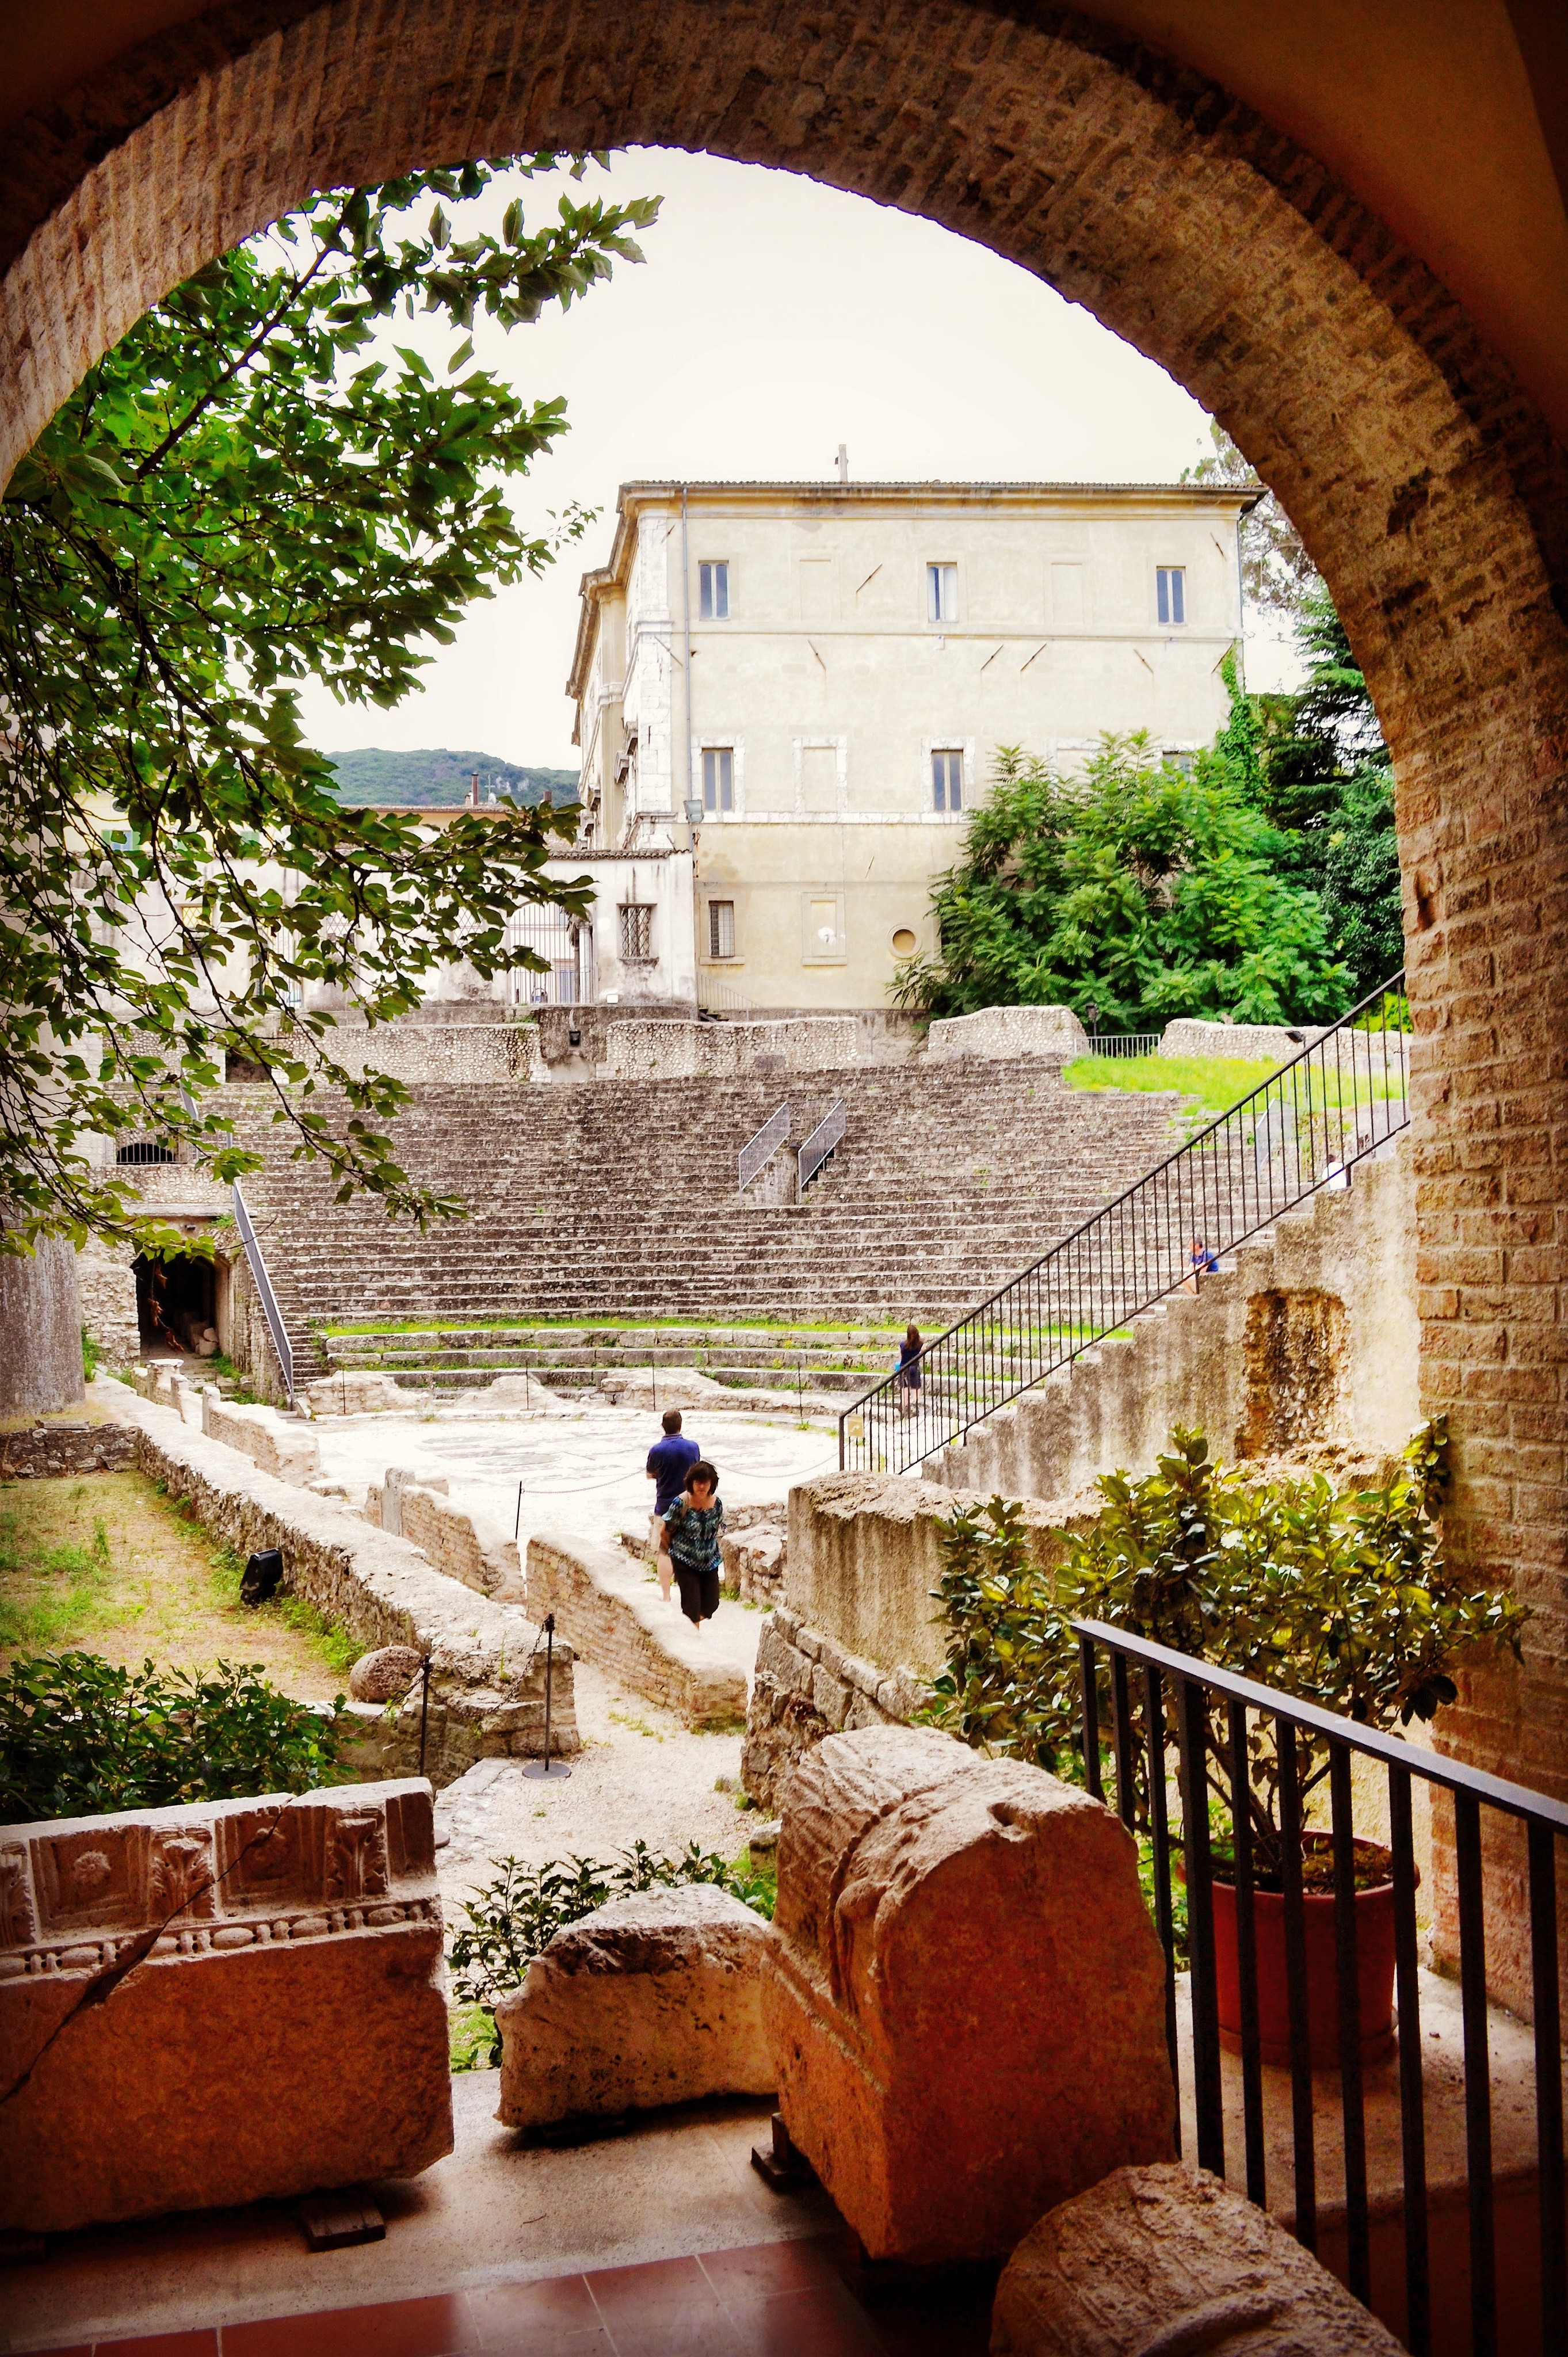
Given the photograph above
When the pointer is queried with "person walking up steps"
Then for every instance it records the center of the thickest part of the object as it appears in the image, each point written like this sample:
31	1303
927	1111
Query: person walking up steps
669	1462
691	1528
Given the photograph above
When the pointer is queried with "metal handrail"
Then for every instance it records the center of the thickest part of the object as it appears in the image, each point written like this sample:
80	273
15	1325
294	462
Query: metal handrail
1124	1043
1303	1128
759	1149
257	1263
1219	1717
825	1139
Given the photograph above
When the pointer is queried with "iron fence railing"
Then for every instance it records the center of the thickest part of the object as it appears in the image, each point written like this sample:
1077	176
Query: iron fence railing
759	1149
256	1261
1302	1130
1124	1043
1231	1737
822	1145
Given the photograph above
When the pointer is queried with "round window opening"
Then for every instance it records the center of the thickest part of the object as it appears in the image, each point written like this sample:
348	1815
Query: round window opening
904	941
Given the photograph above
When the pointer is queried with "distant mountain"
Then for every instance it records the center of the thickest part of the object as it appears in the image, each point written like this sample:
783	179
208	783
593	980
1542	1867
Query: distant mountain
437	777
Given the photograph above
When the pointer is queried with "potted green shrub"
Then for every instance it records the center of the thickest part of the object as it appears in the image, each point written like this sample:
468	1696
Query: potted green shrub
1340	1598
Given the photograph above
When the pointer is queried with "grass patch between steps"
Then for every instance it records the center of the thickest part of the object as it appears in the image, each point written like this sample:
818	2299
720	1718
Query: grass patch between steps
581	1325
1217	1082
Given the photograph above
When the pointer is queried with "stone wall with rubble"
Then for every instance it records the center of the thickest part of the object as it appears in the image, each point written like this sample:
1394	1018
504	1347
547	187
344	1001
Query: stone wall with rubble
487	1692
421	1512
856	1638
1307	1339
644	1050
52	1451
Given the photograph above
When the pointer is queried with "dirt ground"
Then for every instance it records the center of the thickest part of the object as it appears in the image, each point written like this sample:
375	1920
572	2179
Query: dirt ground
102	1563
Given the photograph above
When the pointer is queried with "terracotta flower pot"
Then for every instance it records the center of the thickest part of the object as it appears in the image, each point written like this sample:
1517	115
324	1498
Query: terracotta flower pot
1374	1966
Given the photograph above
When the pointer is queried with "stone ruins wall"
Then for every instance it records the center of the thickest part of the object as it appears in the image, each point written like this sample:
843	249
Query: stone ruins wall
439	1051
1308	1338
487	1692
1254	1042
1006	1031
856	1640
684	1051
108	1287
422	1511
276	2022
604	1605
49	1451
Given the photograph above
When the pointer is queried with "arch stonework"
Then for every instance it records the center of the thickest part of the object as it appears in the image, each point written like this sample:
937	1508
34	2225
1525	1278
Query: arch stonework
1425	487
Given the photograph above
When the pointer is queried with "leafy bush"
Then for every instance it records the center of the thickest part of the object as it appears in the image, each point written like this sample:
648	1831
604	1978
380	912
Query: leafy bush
80	1737
1340	1599
513	1918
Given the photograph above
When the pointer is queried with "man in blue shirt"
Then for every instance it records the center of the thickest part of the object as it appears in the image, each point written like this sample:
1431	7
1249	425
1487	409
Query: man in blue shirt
669	1462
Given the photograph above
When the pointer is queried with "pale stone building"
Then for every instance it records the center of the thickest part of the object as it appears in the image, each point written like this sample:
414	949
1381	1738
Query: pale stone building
820	674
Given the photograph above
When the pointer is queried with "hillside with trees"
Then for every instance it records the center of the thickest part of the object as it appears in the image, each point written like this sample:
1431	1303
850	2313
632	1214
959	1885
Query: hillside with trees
435	777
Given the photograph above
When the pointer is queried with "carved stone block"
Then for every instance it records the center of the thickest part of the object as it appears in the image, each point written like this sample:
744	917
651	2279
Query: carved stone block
965	1998
212	2005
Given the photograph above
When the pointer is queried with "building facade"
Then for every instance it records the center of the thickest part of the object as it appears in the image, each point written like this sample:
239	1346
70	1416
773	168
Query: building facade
818	678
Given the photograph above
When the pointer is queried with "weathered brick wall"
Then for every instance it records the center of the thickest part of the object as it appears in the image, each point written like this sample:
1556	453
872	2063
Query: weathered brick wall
1424	486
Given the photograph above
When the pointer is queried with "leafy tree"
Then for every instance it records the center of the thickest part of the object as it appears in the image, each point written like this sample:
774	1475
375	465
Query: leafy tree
236	498
1327	784
1276	570
1143	888
80	1737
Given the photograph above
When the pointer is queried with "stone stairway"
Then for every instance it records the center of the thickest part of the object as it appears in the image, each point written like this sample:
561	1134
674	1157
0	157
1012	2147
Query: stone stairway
610	1199
568	1358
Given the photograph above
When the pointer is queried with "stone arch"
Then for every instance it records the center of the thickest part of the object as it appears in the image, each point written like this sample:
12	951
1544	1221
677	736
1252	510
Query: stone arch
1425	486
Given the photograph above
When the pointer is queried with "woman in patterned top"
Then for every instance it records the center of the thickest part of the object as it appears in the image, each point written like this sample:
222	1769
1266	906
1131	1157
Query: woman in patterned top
691	1527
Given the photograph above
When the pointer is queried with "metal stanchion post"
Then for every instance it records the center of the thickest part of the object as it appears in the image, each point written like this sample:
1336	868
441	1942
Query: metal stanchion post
554	1769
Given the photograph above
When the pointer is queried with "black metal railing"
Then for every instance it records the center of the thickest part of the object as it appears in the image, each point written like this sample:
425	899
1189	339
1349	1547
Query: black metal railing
256	1260
1124	1043
1303	1128
1150	1700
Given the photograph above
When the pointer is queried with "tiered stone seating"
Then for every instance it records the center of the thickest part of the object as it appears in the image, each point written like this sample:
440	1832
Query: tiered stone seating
612	1199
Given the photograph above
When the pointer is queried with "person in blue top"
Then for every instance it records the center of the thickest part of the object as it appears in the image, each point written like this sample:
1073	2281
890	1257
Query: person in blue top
691	1527
669	1462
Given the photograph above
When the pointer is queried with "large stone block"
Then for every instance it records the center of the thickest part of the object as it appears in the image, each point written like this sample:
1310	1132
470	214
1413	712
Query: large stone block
218	2004
965	1999
653	1999
1169	2259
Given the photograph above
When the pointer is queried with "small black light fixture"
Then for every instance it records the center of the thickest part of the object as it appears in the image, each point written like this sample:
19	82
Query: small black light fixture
1093	1011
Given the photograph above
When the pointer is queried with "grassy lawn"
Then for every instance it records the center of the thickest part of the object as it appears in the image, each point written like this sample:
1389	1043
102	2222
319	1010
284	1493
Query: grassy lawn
105	1563
1216	1082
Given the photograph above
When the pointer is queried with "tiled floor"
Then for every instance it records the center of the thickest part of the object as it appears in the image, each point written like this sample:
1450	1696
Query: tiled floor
774	2299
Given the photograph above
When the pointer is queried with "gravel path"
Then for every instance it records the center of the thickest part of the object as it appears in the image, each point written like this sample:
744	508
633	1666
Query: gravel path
640	1775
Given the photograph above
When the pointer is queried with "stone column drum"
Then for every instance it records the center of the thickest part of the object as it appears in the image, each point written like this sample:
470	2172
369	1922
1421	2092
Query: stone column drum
212	2005
965	1993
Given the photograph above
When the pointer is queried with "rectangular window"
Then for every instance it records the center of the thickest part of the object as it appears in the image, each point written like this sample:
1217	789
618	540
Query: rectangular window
636	931
721	929
941	593
718	779
947	781
1170	593
712	593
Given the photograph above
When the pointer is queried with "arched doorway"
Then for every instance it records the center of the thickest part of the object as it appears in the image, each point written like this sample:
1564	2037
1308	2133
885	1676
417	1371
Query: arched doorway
1425	486
176	1303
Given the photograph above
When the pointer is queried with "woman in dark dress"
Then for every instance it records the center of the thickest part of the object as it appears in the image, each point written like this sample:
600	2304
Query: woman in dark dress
910	1372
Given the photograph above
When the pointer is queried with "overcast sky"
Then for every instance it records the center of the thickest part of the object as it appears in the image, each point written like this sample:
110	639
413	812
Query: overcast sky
773	319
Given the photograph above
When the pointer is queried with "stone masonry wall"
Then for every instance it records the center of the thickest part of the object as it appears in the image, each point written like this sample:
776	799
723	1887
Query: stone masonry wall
806	1687
1308	1336
1050	1031
51	1451
683	1052
856	1639
487	1666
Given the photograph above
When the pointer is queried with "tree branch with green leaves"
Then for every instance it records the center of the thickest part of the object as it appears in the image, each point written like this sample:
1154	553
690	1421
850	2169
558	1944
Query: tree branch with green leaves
243	495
